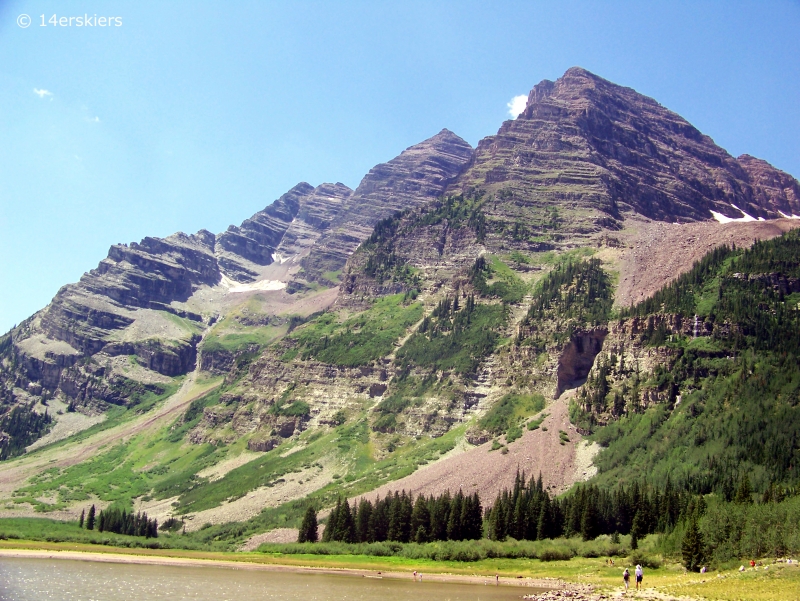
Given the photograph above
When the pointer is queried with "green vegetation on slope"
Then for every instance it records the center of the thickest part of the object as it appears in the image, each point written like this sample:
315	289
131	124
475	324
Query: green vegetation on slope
755	291
454	338
578	291
730	401
507	414
382	261
506	285
141	464
21	426
360	339
741	416
407	390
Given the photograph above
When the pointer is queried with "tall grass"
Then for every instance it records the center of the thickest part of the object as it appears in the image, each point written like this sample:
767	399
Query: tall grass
544	550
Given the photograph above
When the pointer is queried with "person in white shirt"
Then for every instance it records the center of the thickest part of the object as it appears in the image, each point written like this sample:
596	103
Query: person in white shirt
639	575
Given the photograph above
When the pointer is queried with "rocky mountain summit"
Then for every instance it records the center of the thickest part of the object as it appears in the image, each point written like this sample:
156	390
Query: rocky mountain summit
597	151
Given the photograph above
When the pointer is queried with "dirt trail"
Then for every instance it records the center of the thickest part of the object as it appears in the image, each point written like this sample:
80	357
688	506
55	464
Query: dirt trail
488	472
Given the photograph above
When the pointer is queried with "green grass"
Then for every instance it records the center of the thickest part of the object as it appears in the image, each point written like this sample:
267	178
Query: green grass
360	339
503	282
507	414
535	423
116	415
187	325
116	475
553	258
242	338
333	276
460	350
349	443
155	459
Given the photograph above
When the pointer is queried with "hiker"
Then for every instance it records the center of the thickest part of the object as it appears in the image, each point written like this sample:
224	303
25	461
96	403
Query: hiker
497	579
626	577
639	575
415	575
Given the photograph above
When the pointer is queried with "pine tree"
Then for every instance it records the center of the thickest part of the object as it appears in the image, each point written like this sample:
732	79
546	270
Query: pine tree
744	492
454	522
421	520
379	520
80	522
362	519
440	514
333	518
308	528
692	547
344	528
636	530
90	518
589	520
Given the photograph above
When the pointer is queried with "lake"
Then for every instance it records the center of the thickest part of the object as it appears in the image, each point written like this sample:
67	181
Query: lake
24	579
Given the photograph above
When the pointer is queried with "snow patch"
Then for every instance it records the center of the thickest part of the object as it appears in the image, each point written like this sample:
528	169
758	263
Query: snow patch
792	216
723	219
262	285
279	259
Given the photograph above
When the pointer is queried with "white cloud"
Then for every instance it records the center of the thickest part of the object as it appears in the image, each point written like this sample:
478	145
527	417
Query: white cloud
517	105
93	119
42	93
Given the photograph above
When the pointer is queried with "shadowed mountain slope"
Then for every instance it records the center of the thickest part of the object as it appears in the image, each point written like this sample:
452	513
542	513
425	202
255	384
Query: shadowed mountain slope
420	174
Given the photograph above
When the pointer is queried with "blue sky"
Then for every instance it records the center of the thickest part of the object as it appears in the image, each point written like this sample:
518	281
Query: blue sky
195	115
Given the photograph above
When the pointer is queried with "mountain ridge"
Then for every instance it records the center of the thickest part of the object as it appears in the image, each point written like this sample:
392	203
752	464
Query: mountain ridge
440	306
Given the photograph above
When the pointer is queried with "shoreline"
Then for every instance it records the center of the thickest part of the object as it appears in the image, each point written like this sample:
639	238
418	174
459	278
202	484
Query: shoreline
244	564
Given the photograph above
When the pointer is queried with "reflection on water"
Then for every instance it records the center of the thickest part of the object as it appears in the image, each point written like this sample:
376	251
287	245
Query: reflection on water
66	580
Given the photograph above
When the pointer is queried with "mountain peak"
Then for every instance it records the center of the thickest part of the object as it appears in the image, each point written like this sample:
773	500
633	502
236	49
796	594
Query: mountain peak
587	144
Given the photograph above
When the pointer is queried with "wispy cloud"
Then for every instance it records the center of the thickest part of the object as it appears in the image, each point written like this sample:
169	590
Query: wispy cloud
93	119
517	105
42	93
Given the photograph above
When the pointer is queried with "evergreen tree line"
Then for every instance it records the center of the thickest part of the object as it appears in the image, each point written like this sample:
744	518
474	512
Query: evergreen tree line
528	512
678	296
578	290
382	262
751	293
119	521
20	427
401	518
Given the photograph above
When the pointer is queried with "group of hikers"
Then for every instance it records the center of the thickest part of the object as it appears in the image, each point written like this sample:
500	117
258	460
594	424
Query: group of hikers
639	573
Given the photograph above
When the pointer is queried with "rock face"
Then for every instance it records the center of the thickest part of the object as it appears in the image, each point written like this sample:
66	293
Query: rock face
141	313
420	174
577	358
772	187
285	230
140	302
596	151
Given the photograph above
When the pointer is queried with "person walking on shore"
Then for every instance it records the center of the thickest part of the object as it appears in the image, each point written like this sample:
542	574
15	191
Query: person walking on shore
626	576
639	575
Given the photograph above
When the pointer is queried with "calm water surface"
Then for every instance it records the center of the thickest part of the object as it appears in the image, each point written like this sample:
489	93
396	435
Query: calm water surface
67	580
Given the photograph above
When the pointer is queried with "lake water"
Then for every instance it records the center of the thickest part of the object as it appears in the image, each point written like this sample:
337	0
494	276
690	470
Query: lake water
68	580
